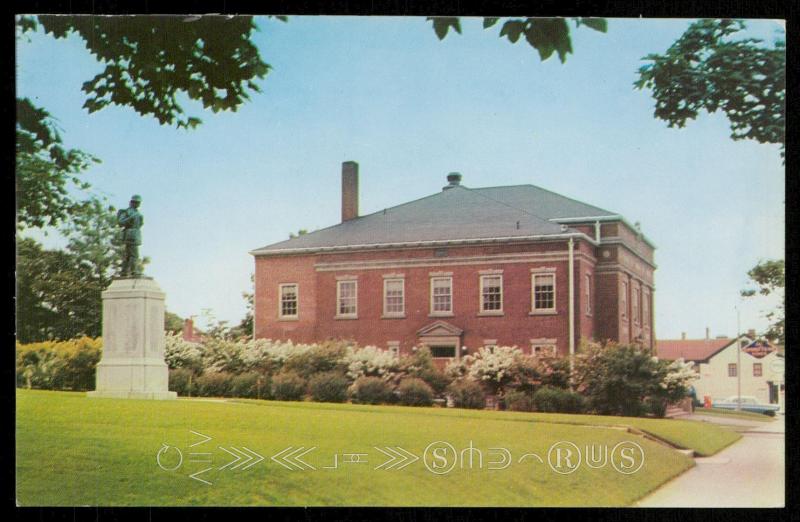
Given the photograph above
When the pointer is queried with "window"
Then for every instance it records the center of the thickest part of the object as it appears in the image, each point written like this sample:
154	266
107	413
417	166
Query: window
441	295
635	306
393	297
490	344
757	370
624	300
441	352
394	348
543	350
732	370
646	309
346	298
588	293
544	292
288	300
492	294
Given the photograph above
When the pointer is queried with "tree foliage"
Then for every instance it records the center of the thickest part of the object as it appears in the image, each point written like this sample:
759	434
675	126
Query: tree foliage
709	69
58	291
45	170
151	60
770	276
546	35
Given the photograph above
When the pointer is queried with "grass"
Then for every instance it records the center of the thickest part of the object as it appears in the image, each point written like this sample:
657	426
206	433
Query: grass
749	415
72	450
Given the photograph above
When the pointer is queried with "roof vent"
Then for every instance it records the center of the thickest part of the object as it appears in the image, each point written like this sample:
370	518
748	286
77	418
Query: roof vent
454	180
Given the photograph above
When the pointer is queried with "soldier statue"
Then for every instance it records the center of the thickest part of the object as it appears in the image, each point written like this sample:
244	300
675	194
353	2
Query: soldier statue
131	220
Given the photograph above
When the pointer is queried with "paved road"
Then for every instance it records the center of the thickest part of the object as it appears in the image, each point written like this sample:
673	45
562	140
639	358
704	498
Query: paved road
749	473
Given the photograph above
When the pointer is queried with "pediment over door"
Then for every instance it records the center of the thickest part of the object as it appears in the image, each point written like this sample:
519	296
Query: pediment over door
440	329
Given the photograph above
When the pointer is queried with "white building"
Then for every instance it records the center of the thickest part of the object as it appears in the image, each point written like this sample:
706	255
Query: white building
717	366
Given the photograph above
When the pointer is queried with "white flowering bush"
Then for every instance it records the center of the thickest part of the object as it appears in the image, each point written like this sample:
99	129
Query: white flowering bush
179	353
494	368
370	361
678	376
269	355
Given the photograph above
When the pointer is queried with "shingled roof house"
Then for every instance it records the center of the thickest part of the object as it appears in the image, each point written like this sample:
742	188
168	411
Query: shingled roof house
460	269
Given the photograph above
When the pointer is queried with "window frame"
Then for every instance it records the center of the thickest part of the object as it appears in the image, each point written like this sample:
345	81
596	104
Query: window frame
433	311
339	284
551	310
588	293
624	304
733	370
482	303
386	312
281	315
760	367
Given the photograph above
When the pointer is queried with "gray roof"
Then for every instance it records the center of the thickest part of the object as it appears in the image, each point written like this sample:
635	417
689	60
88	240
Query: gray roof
458	213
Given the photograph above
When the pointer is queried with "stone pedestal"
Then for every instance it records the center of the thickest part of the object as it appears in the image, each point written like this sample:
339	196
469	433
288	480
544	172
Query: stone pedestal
132	366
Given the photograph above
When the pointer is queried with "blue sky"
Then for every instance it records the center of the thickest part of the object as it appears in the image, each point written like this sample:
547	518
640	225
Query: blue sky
385	92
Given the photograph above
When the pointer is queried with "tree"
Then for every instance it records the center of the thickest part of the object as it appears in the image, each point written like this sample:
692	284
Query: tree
546	35
149	62
770	276
707	68
245	327
58	291
173	323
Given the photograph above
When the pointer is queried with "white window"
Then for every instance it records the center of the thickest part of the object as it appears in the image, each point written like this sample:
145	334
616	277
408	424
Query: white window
393	297
347	298
441	295
492	294
588	293
624	304
544	292
288	301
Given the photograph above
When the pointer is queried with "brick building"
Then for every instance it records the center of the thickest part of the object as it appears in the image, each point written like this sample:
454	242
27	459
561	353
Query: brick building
460	269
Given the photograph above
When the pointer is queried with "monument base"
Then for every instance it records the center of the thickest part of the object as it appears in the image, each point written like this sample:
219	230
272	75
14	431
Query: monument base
156	395
132	365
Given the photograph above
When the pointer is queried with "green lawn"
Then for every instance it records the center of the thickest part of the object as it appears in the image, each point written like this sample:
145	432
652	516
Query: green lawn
748	415
72	450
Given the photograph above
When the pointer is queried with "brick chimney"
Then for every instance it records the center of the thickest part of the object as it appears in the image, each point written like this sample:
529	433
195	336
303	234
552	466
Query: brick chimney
349	190
708	333
188	330
683	336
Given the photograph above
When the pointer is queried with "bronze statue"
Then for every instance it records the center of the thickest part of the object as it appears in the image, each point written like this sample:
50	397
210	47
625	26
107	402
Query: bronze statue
131	220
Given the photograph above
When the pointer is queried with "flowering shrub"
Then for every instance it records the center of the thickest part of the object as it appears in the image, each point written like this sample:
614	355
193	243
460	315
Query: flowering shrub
179	353
370	361
495	368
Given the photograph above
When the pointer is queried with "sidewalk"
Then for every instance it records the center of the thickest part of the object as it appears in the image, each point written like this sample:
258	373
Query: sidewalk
749	473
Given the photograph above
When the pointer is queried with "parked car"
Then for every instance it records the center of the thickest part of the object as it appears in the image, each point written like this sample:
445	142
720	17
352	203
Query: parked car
748	403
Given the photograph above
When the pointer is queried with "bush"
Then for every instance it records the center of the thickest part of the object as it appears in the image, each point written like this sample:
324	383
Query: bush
436	379
249	385
371	390
183	382
288	386
519	401
467	394
556	400
214	384
414	392
318	359
58	365
328	387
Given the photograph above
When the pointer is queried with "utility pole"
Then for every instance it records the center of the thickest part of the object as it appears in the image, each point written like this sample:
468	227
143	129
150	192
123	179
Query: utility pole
738	362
